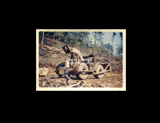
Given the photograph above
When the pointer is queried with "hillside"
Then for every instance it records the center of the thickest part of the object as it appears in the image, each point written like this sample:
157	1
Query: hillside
52	54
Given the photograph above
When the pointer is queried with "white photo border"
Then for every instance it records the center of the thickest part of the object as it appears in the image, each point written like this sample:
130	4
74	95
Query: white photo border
81	89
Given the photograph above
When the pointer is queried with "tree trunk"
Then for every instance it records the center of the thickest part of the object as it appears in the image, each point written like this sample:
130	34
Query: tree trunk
42	40
95	39
112	47
121	45
53	36
94	44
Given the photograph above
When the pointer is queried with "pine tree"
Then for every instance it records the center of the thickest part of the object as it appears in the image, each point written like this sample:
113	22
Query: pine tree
42	40
58	35
112	41
121	34
109	48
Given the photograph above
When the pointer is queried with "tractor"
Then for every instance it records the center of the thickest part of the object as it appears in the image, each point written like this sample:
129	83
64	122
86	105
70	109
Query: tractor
82	66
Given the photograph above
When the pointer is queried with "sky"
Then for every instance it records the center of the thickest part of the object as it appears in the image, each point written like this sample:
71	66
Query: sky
107	39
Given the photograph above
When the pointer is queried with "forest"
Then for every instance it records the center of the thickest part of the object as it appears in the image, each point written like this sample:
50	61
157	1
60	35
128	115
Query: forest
82	39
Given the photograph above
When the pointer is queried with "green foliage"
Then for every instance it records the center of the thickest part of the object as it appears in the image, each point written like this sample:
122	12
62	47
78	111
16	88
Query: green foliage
70	39
98	37
59	45
109	48
119	51
80	40
77	44
58	35
100	50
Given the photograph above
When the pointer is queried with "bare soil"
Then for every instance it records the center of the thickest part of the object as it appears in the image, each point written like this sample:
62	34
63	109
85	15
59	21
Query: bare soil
51	56
110	80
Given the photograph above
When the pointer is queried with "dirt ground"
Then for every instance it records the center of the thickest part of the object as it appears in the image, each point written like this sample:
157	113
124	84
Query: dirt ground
110	80
50	57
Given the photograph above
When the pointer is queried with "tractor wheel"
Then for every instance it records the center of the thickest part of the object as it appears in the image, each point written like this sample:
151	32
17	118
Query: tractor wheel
81	74
99	69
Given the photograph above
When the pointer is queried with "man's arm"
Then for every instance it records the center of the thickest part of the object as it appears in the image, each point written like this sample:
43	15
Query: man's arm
62	68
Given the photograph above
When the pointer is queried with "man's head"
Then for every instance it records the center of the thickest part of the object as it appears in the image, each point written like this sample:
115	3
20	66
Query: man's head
66	49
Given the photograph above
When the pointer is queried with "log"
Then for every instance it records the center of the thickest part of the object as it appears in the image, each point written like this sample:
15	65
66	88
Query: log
43	71
74	84
43	84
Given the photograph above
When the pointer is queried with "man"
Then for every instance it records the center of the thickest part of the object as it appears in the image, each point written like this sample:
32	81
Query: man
66	70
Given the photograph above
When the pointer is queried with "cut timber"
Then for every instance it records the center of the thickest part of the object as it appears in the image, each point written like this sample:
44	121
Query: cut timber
43	71
74	84
43	84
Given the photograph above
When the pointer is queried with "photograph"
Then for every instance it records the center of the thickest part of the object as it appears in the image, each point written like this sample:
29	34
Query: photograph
80	59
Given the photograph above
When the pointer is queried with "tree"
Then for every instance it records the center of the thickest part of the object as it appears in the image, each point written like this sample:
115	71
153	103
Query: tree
121	34
97	37
42	40
58	35
112	39
70	39
101	42
119	51
73	38
84	36
63	39
78	36
109	48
